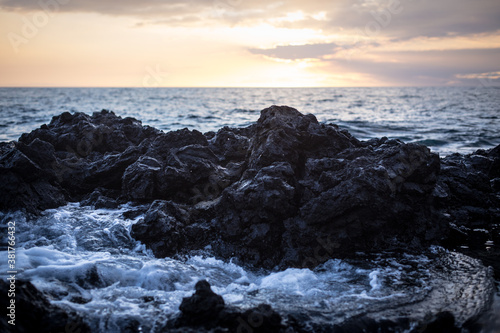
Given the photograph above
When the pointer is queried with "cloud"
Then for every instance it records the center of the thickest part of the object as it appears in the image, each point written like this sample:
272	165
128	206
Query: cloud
294	52
471	67
314	51
423	68
488	79
488	75
144	9
428	18
397	19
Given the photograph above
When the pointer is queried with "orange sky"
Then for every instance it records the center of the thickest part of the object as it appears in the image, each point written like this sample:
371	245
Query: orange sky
244	43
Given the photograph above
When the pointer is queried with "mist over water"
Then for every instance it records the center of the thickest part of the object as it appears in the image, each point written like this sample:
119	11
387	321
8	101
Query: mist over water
447	119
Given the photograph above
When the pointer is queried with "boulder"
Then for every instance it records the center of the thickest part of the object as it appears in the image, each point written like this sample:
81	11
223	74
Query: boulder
313	188
205	311
203	306
169	229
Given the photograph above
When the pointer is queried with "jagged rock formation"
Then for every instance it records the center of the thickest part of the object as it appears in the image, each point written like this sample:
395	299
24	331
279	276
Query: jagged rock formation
286	191
468	196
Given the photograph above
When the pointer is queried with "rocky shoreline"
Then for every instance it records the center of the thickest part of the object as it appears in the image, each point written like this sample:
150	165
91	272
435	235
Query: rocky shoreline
287	191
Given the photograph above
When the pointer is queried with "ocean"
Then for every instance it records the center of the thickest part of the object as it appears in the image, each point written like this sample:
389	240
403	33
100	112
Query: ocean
86	260
446	119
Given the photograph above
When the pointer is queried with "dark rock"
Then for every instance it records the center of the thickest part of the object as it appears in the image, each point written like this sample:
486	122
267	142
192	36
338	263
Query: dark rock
25	184
467	191
308	182
202	307
261	319
106	171
82	134
133	213
140	178
367	324
251	212
468	197
101	198
162	229
68	159
34	313
286	191
205	311
283	134
163	142
189	171
230	145
168	229
444	322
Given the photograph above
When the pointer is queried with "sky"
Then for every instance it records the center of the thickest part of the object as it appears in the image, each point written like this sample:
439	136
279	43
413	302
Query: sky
243	43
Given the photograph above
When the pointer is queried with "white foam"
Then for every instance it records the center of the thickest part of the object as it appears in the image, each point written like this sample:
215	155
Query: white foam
375	281
293	280
75	251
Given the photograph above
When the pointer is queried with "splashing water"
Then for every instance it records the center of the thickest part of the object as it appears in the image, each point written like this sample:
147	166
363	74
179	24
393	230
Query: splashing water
85	259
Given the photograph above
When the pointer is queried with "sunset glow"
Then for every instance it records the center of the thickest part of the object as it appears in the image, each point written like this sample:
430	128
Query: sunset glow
240	43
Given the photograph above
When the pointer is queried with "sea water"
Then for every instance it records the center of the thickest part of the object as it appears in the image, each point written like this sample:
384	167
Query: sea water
447	119
86	261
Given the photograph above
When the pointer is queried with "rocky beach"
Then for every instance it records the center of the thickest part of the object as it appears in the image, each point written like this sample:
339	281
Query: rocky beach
285	193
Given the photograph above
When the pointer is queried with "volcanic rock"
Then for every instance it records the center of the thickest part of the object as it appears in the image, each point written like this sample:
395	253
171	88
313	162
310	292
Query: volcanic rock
468	197
205	311
286	191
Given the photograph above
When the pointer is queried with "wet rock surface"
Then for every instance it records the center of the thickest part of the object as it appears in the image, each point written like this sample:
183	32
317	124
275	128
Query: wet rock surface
468	197
205	310
287	191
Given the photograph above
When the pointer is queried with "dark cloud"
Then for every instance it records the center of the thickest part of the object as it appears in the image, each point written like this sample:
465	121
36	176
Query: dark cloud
397	19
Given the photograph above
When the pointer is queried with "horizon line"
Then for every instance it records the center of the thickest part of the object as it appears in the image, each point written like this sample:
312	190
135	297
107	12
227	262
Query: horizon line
239	87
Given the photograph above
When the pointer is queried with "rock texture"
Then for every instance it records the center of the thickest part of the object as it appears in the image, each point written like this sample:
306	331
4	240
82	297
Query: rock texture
317	192
205	311
468	196
34	313
286	191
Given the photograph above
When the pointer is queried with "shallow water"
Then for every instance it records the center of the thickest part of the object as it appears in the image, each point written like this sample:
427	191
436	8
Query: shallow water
446	119
86	260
